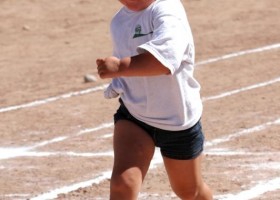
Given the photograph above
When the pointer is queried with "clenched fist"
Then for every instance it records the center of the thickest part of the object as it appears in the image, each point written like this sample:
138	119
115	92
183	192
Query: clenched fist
108	67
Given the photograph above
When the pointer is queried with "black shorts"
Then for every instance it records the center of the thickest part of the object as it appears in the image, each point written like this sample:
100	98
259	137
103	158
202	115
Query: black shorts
180	145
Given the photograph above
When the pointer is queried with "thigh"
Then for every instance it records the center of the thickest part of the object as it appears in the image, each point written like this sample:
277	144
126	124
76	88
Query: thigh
184	175
133	149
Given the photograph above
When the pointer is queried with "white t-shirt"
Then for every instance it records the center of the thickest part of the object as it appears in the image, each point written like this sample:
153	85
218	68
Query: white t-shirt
169	102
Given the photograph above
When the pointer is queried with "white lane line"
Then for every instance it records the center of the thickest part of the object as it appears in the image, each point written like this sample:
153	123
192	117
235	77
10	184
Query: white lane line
156	159
228	152
240	53
109	135
157	196
15	196
7	153
99	154
251	87
81	132
47	142
90	130
66	189
242	133
102	87
256	191
52	99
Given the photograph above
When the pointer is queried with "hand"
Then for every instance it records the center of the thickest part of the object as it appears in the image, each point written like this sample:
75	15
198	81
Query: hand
108	67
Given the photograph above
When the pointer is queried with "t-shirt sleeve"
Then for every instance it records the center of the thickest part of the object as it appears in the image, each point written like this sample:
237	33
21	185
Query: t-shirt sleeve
171	34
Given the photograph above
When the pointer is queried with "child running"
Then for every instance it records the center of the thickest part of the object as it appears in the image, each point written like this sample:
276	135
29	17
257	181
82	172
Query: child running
160	105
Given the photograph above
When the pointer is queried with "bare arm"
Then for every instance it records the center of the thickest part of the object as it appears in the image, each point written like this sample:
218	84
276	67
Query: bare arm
141	65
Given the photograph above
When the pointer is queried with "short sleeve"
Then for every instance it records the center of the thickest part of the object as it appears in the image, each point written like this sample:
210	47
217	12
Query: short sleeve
171	35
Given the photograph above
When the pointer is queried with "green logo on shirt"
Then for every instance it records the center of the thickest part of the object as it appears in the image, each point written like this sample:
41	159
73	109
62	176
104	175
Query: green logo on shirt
138	31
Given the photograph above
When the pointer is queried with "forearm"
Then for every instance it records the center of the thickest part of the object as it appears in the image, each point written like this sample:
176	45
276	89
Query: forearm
142	65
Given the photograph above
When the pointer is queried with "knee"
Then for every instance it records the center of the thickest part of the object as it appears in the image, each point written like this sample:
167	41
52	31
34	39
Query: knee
187	194
125	185
200	192
121	184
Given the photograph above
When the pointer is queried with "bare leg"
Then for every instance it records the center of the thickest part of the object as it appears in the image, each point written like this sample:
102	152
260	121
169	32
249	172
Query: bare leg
133	151
186	180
